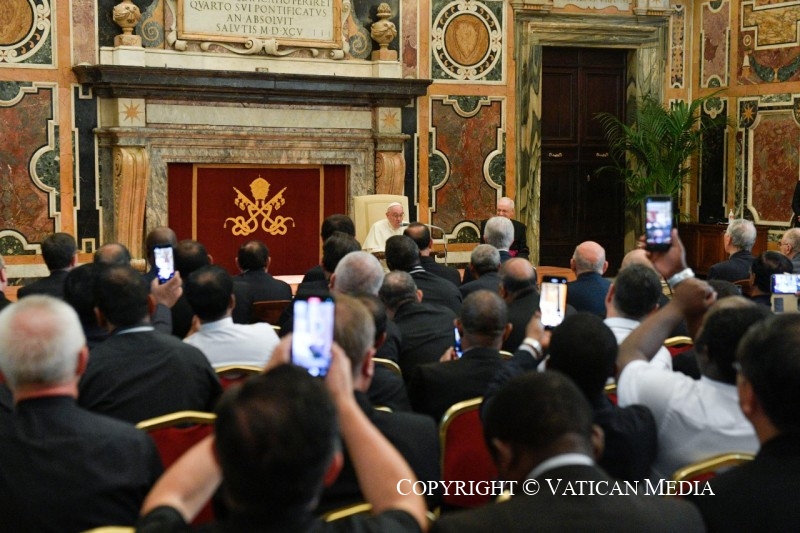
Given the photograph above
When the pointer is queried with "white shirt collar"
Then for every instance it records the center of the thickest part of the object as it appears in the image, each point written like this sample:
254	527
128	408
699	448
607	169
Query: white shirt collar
565	459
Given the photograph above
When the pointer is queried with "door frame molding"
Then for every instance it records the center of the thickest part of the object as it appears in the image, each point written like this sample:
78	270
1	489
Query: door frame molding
645	36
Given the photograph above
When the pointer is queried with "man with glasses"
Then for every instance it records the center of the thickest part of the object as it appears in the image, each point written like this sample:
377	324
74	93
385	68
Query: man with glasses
383	229
790	247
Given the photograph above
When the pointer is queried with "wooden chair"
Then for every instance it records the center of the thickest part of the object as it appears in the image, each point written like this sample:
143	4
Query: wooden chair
611	392
464	453
746	286
232	374
710	467
268	311
678	344
348	510
544	271
174	434
388	363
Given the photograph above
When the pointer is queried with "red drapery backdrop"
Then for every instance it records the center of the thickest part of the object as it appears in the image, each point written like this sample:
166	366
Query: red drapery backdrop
223	206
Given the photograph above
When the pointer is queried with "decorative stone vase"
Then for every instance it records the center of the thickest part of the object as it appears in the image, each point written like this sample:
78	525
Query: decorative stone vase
127	16
382	32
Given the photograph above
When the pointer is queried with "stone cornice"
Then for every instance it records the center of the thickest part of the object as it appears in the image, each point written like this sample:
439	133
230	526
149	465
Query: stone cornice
114	81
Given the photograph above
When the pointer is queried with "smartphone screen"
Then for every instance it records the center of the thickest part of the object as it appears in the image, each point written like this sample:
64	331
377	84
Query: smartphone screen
553	300
312	337
165	263
658	223
785	283
457	344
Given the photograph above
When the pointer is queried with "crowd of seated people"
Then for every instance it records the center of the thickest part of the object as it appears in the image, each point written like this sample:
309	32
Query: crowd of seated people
83	362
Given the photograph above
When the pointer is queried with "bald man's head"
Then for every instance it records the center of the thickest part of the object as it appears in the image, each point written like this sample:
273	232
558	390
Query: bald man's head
516	275
589	257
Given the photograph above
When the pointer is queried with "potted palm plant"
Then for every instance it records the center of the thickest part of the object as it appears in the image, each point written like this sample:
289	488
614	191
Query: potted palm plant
653	149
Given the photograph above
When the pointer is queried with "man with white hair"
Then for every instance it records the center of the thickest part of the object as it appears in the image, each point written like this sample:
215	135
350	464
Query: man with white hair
519	246
383	229
497	232
790	247
64	468
738	242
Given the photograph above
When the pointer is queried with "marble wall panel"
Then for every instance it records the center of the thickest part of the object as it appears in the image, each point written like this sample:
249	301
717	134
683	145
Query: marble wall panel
466	134
409	38
467	40
26	32
678	47
768	42
29	169
775	165
715	43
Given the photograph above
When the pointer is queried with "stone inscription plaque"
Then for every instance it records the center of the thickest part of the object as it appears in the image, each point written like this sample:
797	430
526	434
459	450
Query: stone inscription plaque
290	22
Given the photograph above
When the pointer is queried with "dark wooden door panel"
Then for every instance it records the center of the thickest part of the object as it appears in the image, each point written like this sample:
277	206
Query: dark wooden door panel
577	205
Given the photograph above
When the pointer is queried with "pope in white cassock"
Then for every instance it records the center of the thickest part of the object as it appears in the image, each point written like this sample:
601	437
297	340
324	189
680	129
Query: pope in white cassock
383	229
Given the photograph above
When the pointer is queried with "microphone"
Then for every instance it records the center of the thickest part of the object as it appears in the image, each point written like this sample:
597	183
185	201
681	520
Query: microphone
405	224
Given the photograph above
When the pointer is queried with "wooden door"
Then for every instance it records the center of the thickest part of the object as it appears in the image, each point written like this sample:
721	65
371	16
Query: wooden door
576	204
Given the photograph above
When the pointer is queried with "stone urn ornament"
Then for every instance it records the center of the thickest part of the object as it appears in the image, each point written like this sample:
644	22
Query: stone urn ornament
127	16
382	32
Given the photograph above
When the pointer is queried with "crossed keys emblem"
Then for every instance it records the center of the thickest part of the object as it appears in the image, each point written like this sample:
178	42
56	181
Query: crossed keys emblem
259	207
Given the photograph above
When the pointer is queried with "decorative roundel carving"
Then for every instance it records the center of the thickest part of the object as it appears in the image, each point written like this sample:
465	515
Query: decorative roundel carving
17	17
466	40
24	29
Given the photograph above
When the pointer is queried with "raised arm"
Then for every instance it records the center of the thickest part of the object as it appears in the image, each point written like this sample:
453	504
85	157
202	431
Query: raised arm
378	465
692	297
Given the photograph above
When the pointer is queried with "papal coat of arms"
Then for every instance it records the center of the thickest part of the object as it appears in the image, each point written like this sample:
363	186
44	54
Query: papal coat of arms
259	207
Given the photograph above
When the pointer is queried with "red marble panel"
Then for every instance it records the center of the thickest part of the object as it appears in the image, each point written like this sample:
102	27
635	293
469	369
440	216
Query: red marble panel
716	24
466	143
23	206
776	142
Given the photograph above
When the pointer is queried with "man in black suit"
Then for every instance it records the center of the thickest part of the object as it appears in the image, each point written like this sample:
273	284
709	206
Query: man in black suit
422	237
426	330
518	289
519	246
415	436
769	396
402	254
60	255
64	468
483	265
3	284
588	291
255	283
138	373
332	224
483	325
539	430
738	242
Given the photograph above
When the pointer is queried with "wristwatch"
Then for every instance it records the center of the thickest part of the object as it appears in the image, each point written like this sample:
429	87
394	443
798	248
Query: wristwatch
684	274
534	345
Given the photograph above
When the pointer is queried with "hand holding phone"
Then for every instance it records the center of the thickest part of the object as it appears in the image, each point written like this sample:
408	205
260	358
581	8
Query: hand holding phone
165	262
312	337
658	223
553	300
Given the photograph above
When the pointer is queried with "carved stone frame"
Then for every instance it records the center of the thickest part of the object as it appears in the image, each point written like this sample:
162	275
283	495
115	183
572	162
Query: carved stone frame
645	36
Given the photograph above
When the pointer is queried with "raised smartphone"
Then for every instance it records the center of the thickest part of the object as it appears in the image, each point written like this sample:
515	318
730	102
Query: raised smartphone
312	336
553	300
165	263
658	223
785	283
457	344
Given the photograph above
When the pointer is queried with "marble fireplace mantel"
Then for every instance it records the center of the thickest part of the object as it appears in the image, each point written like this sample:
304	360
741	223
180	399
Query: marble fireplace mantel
151	117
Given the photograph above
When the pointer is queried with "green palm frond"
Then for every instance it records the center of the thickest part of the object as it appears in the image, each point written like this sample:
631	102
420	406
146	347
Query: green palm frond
651	153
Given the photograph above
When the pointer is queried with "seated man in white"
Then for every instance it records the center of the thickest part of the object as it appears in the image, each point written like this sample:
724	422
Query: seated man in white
695	419
209	291
383	229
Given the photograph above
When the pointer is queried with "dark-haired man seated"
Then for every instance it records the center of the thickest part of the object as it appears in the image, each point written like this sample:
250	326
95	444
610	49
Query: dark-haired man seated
761	495
333	224
255	283
138	373
276	447
422	237
539	430
60	253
